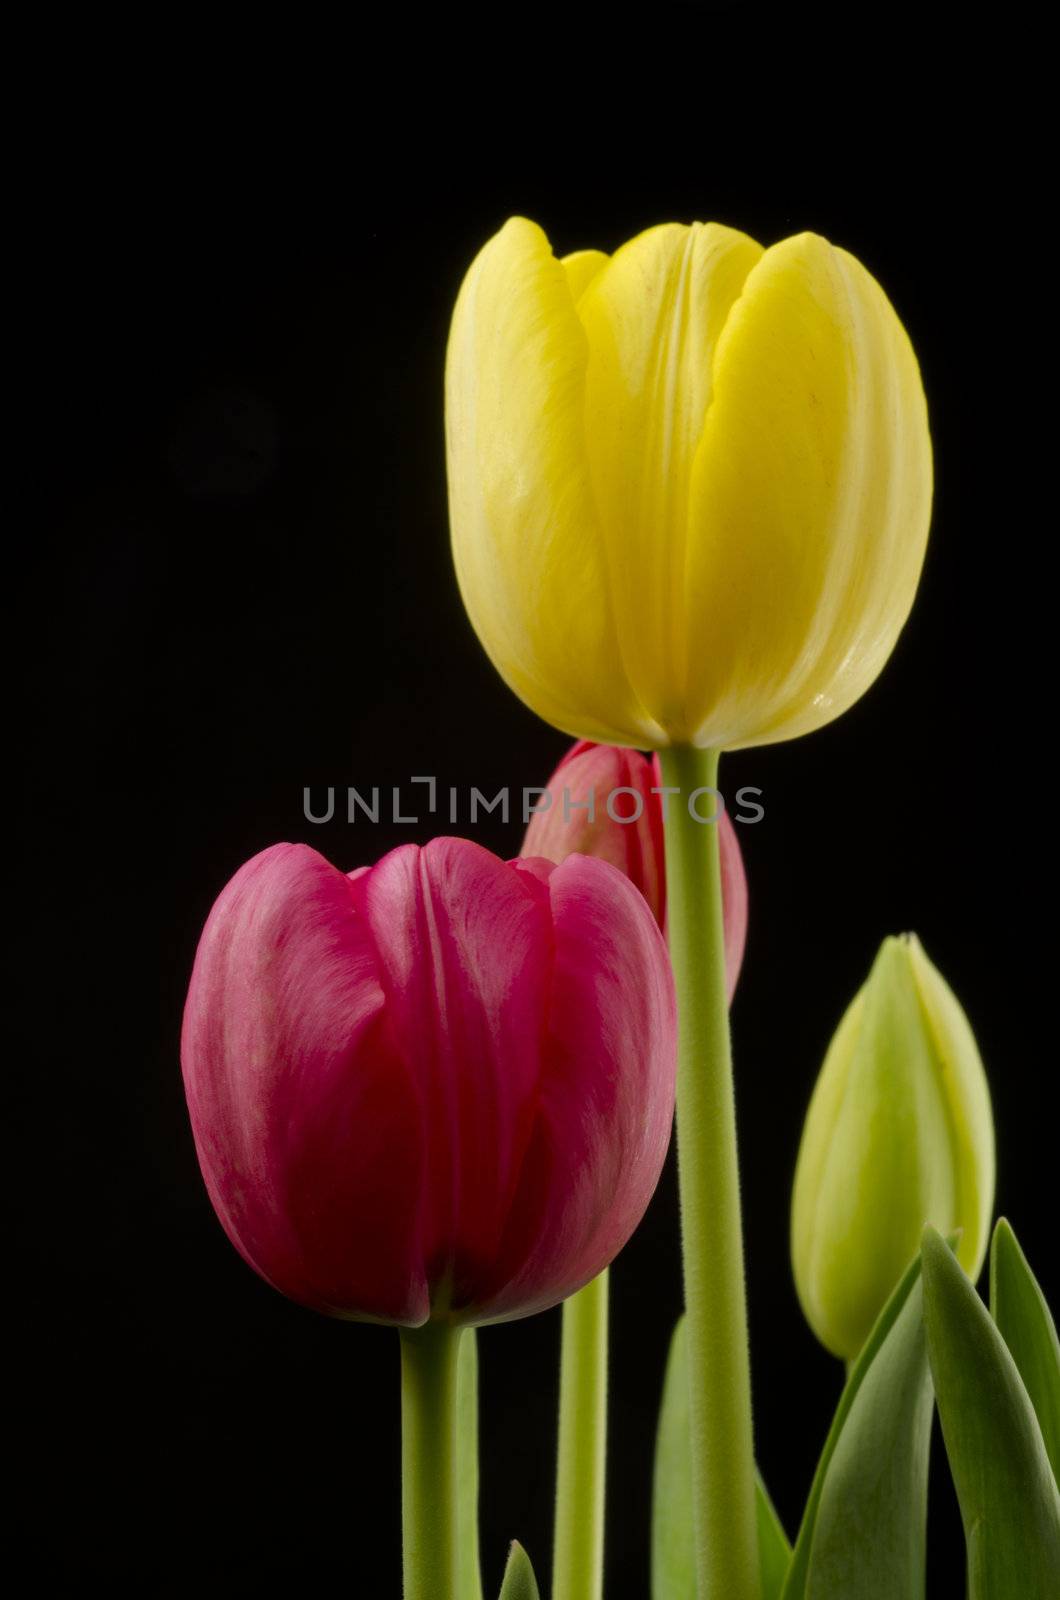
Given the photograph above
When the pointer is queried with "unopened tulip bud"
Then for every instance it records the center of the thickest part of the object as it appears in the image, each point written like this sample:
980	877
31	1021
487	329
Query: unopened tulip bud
899	1134
439	1087
606	801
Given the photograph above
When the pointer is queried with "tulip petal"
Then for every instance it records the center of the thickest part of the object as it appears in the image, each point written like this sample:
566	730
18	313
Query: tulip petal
605	1099
583	817
653	316
294	1090
968	1103
734	897
529	558
733	901
809	502
465	950
581	268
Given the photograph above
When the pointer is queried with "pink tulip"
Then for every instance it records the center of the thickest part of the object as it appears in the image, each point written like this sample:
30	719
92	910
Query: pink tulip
630	834
441	1086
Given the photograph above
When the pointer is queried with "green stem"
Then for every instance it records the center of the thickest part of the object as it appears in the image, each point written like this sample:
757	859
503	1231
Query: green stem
429	1453
578	1548
470	1587
723	1485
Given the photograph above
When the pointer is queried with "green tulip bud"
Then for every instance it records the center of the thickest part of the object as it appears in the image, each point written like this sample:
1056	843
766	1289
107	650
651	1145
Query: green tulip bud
899	1134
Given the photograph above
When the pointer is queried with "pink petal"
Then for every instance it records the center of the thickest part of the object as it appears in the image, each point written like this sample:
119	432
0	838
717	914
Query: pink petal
605	1101
733	901
629	835
733	884
301	1108
465	953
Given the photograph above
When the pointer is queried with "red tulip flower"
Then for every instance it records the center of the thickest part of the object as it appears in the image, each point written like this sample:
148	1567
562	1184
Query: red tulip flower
441	1086
624	825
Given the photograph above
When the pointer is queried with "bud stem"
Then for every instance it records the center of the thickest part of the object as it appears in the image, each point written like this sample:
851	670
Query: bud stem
712	1243
429	1465
578	1547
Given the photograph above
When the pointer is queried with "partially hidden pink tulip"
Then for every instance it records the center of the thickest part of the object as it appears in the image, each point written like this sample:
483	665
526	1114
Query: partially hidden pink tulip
624	825
440	1086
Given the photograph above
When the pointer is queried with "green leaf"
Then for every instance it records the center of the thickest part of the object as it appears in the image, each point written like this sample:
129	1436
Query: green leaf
519	1581
1007	1494
774	1550
673	1568
1022	1316
863	1531
467	1467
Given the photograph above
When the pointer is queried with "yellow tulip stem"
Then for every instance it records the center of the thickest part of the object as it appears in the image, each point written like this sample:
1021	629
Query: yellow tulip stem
578	1546
430	1434
723	1484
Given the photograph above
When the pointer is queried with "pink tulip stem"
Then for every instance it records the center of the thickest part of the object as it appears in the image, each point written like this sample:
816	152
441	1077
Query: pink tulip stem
711	1236
578	1546
430	1440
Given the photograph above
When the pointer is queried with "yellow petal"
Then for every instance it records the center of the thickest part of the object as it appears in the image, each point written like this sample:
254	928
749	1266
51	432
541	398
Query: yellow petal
530	559
581	268
653	315
809	501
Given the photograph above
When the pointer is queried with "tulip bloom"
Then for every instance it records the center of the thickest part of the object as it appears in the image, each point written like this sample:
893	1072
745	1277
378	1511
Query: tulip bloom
690	484
899	1134
439	1087
606	803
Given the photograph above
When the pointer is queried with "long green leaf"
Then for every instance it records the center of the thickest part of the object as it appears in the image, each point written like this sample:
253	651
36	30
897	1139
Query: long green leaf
467	1467
870	1538
774	1547
863	1530
1024	1321
519	1581
673	1568
1005	1486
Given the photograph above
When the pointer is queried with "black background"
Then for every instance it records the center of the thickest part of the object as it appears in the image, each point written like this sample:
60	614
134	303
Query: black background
240	271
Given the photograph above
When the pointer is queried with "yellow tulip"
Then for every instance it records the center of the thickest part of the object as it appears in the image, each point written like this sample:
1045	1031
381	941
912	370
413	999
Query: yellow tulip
899	1134
690	483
